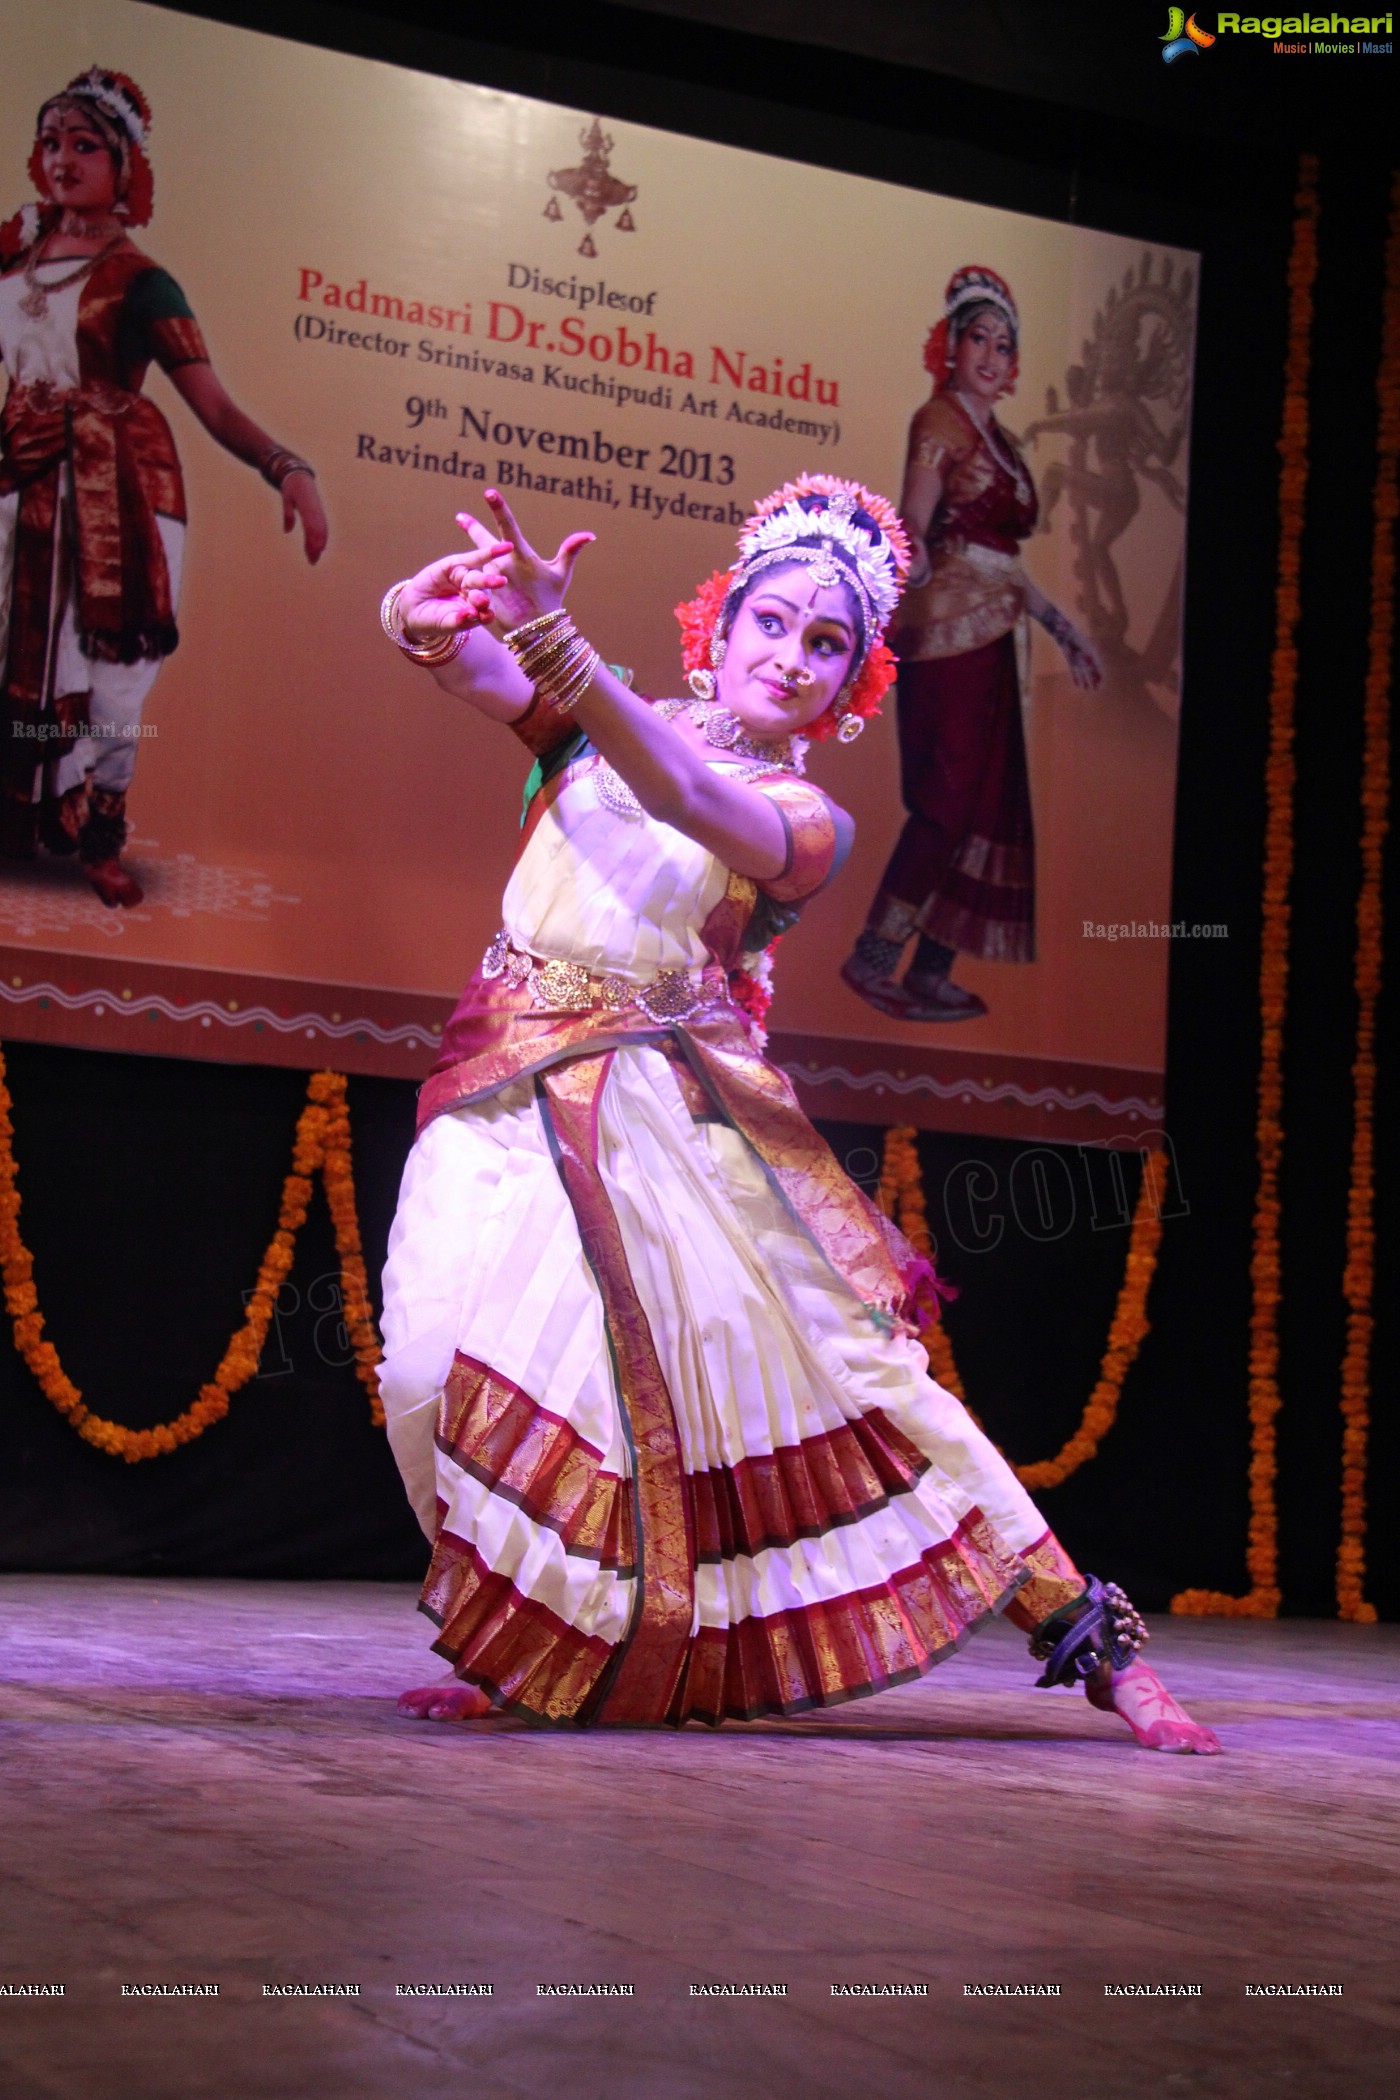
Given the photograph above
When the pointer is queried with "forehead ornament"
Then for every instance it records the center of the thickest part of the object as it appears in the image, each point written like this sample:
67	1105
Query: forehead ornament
846	552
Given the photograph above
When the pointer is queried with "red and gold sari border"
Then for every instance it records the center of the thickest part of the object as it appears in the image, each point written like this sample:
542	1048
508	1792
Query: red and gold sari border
641	1683
836	1649
494	1432
803	1491
511	1045
1054	1581
710	1669
529	1661
497	1037
519	1652
478	1400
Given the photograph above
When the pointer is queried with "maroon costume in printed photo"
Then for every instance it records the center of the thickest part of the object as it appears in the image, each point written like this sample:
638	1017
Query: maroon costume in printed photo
962	874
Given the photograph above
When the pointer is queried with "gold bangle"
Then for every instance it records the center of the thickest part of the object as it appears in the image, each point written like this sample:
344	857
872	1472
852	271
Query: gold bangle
544	647
535	662
280	463
572	694
440	651
561	666
516	638
555	658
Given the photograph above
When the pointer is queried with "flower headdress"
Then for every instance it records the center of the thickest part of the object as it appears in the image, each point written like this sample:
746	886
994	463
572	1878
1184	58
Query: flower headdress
120	113
843	534
972	286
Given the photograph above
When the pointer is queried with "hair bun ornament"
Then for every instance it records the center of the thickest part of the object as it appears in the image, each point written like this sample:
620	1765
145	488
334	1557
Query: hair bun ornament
119	99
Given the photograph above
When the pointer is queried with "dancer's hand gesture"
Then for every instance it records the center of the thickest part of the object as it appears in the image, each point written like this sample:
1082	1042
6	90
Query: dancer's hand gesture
454	593
531	584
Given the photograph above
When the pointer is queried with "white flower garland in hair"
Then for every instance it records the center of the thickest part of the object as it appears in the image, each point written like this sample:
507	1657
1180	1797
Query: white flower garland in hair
872	560
94	86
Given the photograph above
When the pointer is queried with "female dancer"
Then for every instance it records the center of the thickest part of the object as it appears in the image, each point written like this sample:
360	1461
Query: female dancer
646	1371
962	875
92	504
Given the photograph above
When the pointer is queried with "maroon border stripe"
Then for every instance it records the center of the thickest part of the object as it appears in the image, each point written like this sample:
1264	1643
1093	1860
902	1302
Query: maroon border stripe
802	1491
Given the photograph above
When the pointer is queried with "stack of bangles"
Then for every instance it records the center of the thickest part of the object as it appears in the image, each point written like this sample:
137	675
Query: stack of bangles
280	463
438	651
555	658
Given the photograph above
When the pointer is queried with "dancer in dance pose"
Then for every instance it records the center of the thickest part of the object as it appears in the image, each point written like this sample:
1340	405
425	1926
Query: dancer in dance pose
962	875
92	502
649	1372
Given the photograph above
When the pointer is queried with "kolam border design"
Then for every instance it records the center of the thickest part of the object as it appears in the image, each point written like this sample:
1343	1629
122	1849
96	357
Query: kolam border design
174	1010
993	1095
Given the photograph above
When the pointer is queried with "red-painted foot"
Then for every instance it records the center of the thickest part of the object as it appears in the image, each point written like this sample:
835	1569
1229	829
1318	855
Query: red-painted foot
444	1702
1139	1697
114	884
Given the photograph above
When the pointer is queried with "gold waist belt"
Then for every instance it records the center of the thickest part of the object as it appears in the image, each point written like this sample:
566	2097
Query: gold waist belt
568	987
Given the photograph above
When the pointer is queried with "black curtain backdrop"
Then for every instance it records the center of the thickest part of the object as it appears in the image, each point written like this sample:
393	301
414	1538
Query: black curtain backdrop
150	1187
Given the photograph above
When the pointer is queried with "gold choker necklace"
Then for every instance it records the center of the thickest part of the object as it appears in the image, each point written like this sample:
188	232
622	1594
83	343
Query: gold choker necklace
728	734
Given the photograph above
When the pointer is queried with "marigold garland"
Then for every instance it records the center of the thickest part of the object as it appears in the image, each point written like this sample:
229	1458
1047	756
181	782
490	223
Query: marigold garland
1262	1599
901	1196
322	1145
1359	1278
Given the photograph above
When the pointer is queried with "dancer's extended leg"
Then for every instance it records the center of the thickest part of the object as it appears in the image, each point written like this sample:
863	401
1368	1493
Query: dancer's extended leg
1094	1640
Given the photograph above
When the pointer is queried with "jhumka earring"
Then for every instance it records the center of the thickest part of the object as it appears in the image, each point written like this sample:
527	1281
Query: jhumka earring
848	726
702	683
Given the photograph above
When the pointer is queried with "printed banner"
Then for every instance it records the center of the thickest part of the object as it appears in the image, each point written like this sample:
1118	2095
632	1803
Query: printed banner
423	288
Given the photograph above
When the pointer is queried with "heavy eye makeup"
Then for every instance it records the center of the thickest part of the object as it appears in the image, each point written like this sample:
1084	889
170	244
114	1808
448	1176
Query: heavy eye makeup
831	641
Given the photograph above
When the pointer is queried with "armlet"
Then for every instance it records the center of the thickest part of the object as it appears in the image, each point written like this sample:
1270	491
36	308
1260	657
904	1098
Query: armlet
177	340
811	840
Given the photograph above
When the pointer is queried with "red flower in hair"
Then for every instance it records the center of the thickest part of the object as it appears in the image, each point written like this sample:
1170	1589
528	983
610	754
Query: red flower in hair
699	617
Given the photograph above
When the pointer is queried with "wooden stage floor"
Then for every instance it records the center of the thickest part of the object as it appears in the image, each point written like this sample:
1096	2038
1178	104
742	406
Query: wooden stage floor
205	1782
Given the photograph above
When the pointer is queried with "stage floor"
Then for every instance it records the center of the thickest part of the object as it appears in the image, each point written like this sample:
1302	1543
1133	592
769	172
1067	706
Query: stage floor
205	1782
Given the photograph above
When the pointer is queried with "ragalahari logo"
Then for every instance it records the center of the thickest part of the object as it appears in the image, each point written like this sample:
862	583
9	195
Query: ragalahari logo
1183	35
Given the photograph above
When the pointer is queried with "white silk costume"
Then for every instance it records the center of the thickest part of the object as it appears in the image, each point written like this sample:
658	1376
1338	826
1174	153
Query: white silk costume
643	1375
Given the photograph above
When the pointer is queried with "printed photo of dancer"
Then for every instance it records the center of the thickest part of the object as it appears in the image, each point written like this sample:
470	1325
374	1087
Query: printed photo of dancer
92	500
962	874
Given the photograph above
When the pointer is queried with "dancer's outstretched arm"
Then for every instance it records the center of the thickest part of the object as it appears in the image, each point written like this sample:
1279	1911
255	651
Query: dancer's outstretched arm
503	577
